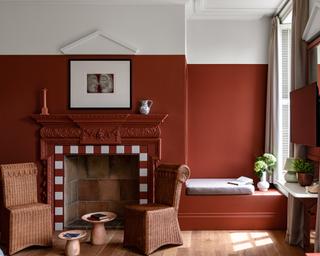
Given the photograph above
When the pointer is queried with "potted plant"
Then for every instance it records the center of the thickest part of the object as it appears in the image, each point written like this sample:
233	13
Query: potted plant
263	165
305	170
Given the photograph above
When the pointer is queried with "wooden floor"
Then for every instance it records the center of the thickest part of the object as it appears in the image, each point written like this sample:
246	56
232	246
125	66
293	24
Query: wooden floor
196	243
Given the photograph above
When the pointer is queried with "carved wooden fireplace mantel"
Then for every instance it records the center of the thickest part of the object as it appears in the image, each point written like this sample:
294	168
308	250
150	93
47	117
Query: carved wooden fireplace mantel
97	129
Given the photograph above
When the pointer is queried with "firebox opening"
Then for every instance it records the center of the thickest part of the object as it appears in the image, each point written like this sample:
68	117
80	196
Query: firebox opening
95	183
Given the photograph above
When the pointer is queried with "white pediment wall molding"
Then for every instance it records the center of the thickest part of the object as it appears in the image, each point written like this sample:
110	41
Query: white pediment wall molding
98	43
312	30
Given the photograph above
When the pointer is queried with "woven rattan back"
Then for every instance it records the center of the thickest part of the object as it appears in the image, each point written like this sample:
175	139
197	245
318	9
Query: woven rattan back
19	182
169	180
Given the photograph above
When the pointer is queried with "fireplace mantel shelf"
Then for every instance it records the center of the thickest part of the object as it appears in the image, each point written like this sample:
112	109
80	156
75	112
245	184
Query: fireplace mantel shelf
105	118
98	128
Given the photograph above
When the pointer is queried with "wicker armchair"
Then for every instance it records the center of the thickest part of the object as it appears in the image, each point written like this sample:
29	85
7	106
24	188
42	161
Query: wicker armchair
150	226
26	222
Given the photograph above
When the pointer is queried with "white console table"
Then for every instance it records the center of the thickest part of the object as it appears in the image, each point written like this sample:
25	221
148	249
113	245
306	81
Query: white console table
294	189
308	200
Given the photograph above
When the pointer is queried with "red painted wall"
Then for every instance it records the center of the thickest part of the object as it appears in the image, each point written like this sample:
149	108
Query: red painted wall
226	118
159	78
226	126
217	135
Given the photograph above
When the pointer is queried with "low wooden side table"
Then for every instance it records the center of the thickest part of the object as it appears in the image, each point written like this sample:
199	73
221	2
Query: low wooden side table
98	233
73	245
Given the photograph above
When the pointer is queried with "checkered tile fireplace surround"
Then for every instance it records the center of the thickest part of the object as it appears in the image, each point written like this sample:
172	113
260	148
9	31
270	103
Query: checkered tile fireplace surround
61	151
128	134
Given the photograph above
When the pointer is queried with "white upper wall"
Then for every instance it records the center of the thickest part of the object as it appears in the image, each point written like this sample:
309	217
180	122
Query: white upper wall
36	29
228	42
45	28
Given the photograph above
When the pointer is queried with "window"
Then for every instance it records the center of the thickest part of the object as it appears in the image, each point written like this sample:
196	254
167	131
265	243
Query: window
285	85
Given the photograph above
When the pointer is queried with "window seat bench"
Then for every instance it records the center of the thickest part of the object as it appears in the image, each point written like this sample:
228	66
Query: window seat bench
216	187
202	208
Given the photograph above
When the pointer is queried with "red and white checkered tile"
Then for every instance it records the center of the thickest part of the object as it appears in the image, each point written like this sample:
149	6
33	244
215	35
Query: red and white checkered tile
60	151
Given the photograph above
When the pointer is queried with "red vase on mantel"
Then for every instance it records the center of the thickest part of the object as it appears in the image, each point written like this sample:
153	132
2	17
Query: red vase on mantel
305	179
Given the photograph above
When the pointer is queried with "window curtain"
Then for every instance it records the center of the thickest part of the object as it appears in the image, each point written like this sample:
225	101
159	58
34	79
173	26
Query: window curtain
300	16
273	119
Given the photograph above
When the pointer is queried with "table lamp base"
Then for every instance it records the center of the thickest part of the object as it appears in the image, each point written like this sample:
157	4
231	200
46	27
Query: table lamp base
291	176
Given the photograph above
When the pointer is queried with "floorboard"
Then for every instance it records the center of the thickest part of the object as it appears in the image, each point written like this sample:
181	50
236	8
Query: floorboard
196	243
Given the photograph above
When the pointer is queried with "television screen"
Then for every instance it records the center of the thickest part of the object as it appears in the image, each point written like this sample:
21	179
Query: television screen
304	114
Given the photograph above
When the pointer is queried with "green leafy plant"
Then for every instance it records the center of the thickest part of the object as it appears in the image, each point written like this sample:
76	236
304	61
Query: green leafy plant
303	166
263	163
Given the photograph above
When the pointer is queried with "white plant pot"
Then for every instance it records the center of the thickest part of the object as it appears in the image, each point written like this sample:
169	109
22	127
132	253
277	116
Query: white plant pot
263	184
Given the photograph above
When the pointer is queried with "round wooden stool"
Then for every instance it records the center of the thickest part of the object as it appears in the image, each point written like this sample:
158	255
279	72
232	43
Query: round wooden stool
98	233
73	245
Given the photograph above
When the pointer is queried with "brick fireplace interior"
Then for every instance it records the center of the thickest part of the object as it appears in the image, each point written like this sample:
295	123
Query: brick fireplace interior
95	183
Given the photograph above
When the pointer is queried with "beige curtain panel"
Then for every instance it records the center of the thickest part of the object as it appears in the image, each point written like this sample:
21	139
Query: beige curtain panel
300	16
272	134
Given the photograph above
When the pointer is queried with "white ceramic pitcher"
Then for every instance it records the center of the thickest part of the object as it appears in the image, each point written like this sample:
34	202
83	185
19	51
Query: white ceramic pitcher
145	108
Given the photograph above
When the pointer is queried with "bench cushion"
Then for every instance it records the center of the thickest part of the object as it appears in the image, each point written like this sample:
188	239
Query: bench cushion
216	187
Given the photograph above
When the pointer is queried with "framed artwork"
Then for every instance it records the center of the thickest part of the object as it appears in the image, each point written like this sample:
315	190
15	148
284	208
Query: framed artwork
100	84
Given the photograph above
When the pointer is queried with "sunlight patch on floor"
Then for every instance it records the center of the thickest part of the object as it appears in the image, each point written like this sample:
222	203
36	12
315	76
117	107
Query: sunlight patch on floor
239	237
243	241
263	242
242	246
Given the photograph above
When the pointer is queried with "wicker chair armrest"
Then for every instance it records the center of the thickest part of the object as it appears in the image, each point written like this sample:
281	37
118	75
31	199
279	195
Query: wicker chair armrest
183	173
